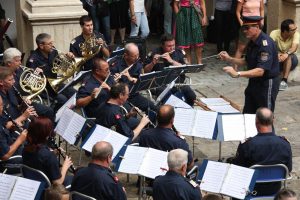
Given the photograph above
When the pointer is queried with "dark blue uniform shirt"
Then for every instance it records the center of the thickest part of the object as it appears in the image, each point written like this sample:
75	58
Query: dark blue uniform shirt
37	59
174	186
75	49
164	139
43	159
7	139
11	104
98	182
87	88
110	115
265	149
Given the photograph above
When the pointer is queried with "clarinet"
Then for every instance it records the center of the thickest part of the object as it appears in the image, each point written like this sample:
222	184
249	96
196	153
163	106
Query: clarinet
140	113
54	144
4	29
19	128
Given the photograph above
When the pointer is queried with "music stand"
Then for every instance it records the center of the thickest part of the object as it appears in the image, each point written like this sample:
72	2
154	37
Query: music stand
150	80
187	68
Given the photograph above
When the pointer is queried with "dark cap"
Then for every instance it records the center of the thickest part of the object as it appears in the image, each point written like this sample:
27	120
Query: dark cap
248	20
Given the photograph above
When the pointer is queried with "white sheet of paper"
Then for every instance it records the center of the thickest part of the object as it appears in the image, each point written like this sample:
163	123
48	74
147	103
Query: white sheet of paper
25	189
224	109
154	164
64	121
232	126
237	181
98	134
116	140
133	159
69	104
204	124
74	128
177	103
184	120
213	177
250	126
7	183
214	101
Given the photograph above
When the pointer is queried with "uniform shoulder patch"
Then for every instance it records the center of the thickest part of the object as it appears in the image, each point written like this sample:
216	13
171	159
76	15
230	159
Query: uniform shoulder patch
264	56
285	138
264	43
73	41
192	182
118	116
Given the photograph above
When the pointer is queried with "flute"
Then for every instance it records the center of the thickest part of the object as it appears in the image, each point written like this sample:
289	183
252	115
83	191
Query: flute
116	78
100	87
140	113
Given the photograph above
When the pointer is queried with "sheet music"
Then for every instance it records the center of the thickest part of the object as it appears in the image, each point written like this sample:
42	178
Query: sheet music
204	124
184	120
214	101
224	109
74	128
177	103
250	126
98	134
232	127
133	159
70	103
154	164
116	140
25	189
237	181
7	183
213	177
64	121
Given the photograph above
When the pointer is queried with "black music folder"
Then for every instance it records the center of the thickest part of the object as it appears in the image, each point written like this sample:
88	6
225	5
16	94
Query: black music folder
187	68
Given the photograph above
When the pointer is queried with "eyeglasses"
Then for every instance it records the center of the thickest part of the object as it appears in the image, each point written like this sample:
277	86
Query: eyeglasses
49	43
247	27
293	30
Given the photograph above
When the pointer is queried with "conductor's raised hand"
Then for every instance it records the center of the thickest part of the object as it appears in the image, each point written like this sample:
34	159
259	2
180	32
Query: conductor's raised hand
224	55
230	70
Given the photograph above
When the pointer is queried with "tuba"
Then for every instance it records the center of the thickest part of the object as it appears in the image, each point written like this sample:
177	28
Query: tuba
90	47
32	82
65	68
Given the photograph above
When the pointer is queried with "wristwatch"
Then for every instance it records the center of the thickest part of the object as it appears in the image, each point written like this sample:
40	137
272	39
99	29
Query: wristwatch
288	53
238	75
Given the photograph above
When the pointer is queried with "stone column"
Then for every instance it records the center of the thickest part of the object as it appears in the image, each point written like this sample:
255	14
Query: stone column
58	18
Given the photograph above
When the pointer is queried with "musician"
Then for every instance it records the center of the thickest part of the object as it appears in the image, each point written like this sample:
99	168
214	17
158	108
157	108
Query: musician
42	59
10	100
265	148
86	96
130	77
163	137
11	144
164	56
38	155
86	24
97	180
262	64
111	114
174	185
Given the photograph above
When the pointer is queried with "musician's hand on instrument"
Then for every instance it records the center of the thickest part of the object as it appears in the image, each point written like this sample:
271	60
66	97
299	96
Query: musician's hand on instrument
23	135
145	120
70	55
155	59
104	85
100	41
117	76
67	163
28	101
39	70
229	70
94	92
224	55
167	57
131	113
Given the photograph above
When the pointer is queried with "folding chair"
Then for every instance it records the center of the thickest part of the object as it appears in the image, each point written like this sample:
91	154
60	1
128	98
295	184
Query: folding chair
11	165
79	196
268	174
35	174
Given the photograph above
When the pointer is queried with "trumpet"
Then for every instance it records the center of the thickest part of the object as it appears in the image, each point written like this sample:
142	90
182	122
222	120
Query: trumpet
100	87
141	113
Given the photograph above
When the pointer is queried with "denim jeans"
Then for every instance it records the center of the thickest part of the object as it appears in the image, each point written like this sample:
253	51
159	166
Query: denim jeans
167	17
93	13
105	28
141	22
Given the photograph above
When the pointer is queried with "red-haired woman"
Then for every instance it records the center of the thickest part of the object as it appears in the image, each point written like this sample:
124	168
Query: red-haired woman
39	156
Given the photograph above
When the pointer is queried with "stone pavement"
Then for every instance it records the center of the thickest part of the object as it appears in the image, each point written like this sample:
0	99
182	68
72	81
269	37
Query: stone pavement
213	82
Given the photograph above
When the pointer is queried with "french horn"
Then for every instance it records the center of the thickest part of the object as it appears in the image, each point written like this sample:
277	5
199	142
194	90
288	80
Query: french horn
32	82
90	47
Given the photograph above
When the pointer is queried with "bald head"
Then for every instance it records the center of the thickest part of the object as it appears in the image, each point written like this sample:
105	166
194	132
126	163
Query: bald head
131	48
165	115
102	150
264	117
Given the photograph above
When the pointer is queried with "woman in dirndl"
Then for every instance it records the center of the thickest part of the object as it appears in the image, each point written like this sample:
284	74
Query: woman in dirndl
188	31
